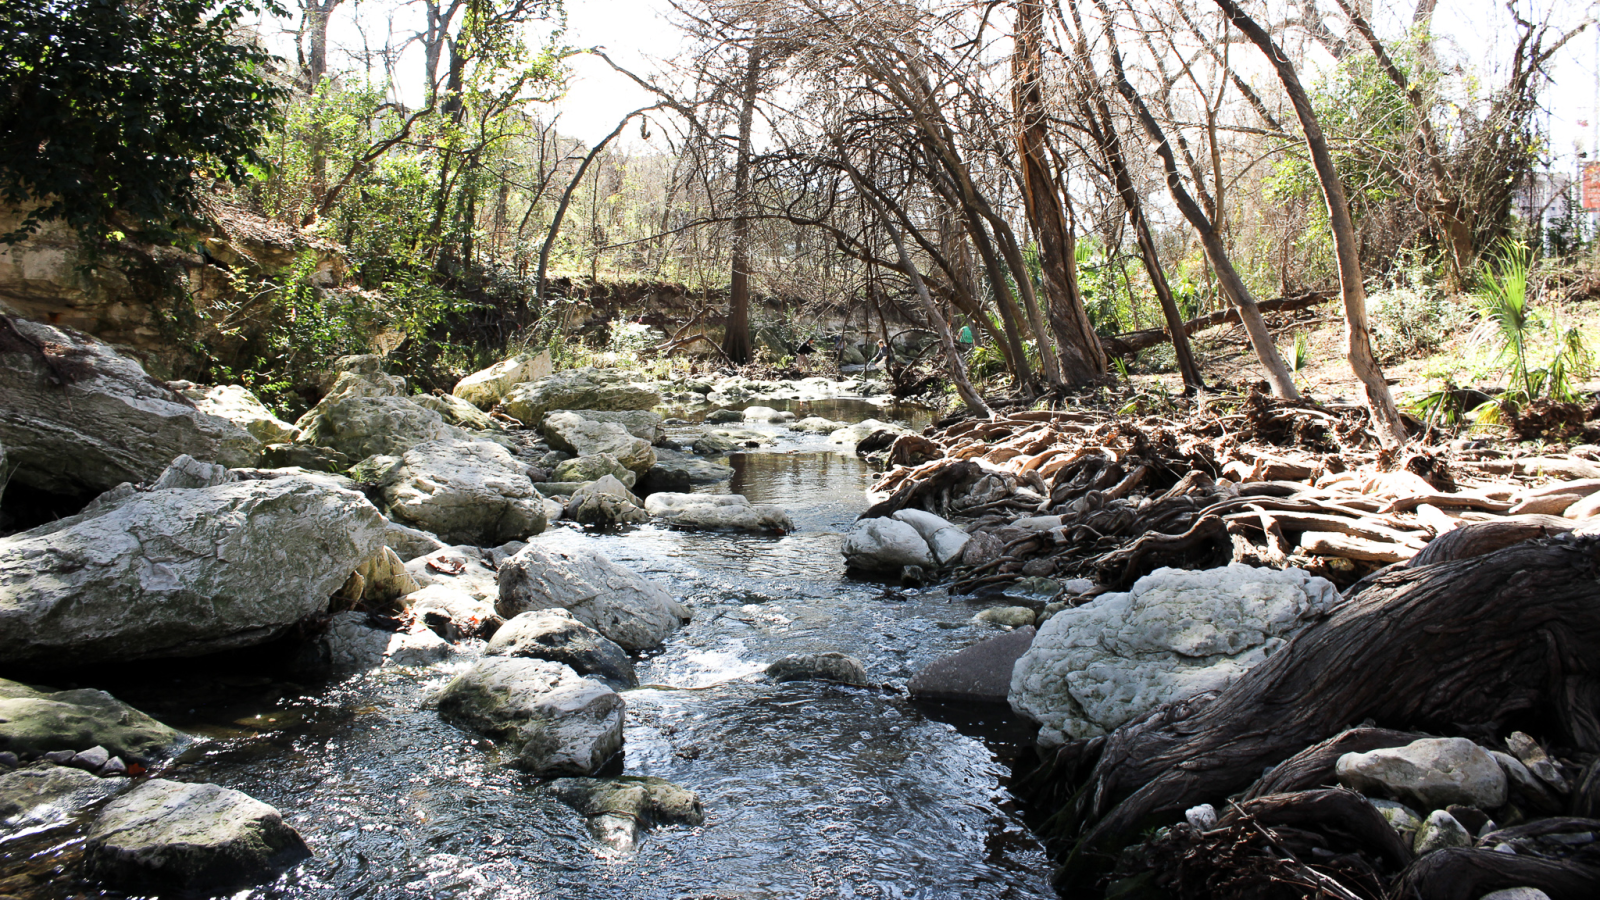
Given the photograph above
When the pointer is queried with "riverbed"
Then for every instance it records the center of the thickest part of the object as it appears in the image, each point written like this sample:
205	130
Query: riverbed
810	789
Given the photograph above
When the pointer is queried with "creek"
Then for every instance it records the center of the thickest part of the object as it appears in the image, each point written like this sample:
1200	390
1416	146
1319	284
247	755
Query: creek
810	789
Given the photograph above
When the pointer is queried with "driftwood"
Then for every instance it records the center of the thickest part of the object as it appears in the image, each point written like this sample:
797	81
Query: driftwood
1471	641
1458	873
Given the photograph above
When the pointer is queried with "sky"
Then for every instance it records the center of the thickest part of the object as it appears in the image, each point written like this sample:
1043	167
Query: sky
636	33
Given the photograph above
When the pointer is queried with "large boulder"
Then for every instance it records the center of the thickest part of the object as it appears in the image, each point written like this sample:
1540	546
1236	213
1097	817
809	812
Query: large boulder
34	722
717	511
605	503
360	427
458	412
851	435
594	467
1433	773
164	836
635	613
486	388
571	433
78	418
180	572
885	545
46	795
552	721
1176	634
470	492
236	404
585	388
980	673
641	423
554	635
460	568
678	471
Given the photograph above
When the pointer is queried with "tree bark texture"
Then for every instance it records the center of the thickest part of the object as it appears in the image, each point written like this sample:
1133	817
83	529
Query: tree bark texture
1081	359
1386	419
1132	342
736	340
1470	641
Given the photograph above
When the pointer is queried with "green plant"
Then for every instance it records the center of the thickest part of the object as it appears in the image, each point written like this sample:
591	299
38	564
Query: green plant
116	113
1512	320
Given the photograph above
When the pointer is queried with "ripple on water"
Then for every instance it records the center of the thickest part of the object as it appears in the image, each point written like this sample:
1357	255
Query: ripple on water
810	790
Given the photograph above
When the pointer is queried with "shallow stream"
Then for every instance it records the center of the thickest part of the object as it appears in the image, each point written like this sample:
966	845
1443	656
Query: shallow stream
810	789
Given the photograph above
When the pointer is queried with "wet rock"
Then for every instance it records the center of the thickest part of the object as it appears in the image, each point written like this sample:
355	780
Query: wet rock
80	418
1440	831
1006	616
632	611
852	435
352	643
736	438
722	416
166	836
1034	591
236	404
678	472
1434	772
453	614
641	423
620	809
815	425
717	511
485	388
180	572
585	388
1097	666
884	545
766	414
460	568
42	796
913	576
707	444
458	412
550	720
830	666
554	635
978	674
409	543
594	468
605	503
1400	817
472	492
945	540
569	432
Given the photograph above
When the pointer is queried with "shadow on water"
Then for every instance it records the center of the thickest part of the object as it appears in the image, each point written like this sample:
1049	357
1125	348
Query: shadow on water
811	790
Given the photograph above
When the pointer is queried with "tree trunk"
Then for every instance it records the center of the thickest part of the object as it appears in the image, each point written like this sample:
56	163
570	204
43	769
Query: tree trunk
1358	334
1475	640
736	340
1080	358
1233	287
566	200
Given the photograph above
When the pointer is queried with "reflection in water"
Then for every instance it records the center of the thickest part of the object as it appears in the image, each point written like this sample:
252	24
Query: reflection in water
810	790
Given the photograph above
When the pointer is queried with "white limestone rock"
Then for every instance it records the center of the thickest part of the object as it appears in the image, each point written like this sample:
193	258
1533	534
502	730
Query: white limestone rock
632	611
851	435
1095	667
471	492
717	511
605	503
886	545
552	721
236	404
458	412
571	433
945	540
485	388
459	568
1433	772
352	644
180	572
585	388
641	423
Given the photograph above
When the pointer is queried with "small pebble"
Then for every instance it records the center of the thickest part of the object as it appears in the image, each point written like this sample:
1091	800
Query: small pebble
1505	848
60	757
112	768
1202	817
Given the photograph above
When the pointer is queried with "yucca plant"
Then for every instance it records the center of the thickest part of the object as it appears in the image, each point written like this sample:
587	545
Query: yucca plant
1509	317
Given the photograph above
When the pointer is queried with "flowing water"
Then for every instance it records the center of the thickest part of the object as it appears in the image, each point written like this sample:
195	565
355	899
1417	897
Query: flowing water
810	789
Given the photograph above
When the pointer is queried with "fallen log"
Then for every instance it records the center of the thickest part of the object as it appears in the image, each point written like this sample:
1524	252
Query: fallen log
1328	543
1131	342
1474	640
1478	538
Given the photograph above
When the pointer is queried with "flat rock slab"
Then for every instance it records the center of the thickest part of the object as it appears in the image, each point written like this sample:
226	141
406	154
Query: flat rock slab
979	674
34	722
552	721
44	795
634	612
167	836
465	491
